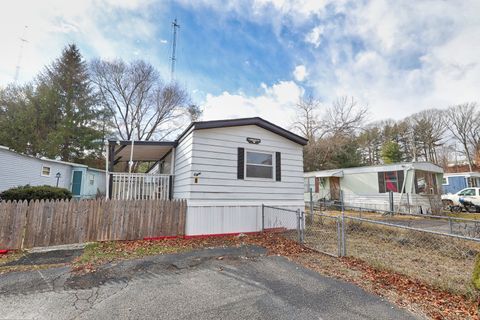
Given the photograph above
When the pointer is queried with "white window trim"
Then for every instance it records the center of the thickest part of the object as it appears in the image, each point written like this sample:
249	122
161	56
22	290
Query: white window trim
260	165
446	183
49	171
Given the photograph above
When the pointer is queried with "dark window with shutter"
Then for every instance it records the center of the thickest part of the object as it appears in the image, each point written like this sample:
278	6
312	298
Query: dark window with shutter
381	182
317	184
401	178
240	163
278	166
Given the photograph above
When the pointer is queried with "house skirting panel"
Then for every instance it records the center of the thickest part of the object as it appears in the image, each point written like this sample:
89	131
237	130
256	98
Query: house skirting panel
234	219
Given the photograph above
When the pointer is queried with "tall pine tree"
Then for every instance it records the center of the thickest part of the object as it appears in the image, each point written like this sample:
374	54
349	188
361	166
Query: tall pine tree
67	106
57	115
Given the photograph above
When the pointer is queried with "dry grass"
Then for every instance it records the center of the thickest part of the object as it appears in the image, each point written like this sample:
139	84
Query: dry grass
441	261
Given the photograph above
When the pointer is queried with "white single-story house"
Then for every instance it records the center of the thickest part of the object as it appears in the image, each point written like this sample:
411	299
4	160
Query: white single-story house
454	182
225	169
416	186
18	170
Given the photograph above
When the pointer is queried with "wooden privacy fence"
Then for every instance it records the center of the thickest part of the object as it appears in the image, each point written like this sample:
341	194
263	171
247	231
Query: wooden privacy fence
48	223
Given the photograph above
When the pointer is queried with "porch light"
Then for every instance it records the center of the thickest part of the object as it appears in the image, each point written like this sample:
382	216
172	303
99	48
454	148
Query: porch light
58	175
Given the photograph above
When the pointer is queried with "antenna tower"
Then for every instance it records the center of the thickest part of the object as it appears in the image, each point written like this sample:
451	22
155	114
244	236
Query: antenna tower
19	60
175	25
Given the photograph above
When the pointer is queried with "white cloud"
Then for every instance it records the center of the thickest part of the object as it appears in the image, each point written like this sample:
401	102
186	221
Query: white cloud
300	73
398	57
413	56
315	36
275	104
54	24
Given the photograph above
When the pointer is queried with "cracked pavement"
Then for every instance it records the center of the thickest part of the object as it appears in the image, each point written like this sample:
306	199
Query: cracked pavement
225	283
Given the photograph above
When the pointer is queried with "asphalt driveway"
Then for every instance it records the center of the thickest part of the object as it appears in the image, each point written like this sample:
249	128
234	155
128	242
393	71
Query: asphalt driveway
223	283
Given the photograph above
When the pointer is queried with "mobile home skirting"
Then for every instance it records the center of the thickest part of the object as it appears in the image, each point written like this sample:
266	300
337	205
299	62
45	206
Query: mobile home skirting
234	219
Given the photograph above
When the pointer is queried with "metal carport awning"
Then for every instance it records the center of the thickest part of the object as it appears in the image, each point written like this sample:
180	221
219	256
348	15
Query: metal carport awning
329	173
123	150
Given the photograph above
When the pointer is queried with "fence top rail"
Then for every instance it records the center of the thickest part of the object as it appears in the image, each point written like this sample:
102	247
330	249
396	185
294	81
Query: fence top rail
413	229
282	209
139	174
409	214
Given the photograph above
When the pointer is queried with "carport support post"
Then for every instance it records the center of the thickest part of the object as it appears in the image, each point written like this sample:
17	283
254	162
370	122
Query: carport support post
311	206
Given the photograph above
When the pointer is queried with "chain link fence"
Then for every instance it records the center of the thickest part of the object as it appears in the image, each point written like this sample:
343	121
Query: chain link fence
289	223
438	257
445	224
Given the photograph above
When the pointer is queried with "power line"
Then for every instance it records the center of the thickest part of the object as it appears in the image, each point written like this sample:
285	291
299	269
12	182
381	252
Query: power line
175	25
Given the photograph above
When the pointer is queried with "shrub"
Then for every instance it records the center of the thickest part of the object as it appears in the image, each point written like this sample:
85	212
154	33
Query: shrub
35	193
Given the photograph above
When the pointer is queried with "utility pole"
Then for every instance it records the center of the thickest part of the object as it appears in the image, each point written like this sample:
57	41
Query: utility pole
175	25
19	60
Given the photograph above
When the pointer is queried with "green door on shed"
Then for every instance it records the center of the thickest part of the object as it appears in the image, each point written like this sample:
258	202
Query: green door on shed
77	183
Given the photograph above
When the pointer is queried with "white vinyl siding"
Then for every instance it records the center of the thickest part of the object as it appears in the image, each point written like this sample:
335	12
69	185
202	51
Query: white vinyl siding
214	155
183	167
19	170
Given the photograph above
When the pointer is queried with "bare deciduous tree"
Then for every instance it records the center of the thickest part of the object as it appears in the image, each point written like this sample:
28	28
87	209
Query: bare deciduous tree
429	129
307	121
345	116
140	103
464	125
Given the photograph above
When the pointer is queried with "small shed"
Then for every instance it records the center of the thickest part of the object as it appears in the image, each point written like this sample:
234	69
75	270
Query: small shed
18	170
416	186
454	182
225	169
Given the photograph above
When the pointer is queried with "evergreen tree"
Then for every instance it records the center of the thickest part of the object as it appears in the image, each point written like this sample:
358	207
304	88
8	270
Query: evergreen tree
57	115
391	152
67	109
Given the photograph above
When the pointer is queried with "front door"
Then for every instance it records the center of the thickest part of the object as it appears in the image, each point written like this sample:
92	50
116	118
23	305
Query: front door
334	188
77	183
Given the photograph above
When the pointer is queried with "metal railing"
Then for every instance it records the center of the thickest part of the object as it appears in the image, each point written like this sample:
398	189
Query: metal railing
136	186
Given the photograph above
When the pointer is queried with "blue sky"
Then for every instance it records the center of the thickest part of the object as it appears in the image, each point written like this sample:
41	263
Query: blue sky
256	57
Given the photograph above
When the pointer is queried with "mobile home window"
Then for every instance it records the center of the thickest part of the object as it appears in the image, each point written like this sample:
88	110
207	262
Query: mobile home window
425	182
259	165
445	181
391	181
91	179
472	182
46	171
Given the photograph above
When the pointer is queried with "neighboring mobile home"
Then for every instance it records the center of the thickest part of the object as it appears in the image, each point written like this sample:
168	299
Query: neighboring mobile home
224	169
454	182
19	170
416	186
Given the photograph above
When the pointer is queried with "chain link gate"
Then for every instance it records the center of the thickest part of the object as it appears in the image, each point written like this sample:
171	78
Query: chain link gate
322	233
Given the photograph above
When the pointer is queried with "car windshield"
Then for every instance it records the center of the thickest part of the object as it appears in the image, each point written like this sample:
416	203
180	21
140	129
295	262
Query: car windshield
467	192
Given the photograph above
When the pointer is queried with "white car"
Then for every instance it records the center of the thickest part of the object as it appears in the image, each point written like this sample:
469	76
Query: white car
468	197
